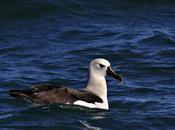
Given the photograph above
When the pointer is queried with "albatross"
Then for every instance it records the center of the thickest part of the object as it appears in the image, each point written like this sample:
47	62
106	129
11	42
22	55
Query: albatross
94	95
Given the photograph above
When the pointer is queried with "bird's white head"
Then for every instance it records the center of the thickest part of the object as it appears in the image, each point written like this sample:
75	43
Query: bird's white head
98	70
99	67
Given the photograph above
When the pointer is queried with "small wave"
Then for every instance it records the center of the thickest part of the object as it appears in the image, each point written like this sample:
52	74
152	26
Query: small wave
160	39
144	90
162	121
133	103
7	50
169	53
124	90
90	35
88	126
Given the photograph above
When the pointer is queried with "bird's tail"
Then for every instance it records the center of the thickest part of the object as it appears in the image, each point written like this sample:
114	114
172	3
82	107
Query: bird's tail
19	93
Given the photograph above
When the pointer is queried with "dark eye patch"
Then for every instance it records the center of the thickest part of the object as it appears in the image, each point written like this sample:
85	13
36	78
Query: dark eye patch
101	66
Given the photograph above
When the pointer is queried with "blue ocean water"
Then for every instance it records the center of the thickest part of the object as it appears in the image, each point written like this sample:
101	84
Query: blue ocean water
54	41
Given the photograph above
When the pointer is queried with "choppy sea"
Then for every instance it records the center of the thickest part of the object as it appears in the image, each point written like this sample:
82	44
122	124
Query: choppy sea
54	41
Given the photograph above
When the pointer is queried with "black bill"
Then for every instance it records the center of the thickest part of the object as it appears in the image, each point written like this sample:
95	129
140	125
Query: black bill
112	73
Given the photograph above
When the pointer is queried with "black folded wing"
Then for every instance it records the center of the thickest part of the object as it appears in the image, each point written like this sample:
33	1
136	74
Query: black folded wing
49	94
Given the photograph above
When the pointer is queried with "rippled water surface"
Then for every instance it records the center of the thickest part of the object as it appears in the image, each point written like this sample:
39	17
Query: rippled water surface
54	41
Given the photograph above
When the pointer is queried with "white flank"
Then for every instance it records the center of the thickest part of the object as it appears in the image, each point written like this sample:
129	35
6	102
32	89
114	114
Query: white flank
83	103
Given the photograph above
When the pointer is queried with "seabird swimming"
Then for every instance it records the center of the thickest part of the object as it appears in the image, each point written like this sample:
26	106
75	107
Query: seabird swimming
93	96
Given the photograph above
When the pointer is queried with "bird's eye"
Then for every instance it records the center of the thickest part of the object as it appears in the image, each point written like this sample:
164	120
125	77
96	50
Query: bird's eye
101	66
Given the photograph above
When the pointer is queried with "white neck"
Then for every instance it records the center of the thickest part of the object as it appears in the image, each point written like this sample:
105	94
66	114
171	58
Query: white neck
97	85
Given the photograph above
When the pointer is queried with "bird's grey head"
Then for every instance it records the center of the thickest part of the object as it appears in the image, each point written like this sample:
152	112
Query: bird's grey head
102	67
